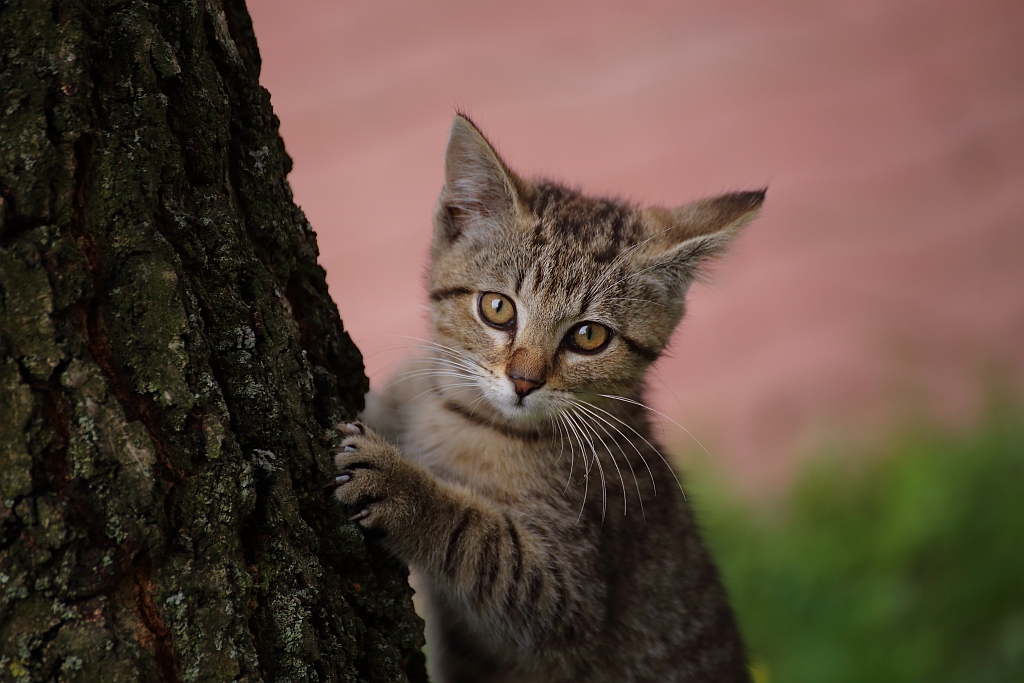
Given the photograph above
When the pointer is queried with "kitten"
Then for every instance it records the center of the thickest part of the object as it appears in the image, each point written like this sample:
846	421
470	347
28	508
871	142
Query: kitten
513	466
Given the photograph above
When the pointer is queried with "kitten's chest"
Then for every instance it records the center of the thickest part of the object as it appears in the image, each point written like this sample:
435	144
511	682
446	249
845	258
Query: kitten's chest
455	450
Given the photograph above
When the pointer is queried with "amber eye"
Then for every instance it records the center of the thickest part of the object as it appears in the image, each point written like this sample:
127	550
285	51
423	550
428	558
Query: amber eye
589	337
497	310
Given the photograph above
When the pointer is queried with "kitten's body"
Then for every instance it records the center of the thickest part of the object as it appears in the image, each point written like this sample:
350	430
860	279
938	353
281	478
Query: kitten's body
641	595
554	540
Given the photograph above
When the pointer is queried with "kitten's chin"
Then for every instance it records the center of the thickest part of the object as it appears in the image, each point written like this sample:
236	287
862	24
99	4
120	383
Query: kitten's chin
493	401
532	412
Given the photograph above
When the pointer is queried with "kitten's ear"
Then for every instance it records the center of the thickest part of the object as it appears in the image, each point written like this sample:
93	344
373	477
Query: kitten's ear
479	189
684	238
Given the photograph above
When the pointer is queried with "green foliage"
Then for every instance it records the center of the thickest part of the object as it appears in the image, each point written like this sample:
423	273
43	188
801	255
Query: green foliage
906	567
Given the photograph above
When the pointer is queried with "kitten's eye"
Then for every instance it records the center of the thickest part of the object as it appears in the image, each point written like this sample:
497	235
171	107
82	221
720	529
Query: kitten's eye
497	310
588	337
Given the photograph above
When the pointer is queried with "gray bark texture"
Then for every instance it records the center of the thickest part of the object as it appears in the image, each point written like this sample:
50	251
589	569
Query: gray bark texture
170	367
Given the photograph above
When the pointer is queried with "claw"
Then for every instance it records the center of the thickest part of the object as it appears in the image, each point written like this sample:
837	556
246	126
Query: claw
349	449
365	512
352	428
338	481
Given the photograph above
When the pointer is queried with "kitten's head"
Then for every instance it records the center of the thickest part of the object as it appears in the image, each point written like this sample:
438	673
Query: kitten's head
543	296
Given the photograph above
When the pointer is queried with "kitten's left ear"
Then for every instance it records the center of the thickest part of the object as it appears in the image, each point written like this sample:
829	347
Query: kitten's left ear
684	238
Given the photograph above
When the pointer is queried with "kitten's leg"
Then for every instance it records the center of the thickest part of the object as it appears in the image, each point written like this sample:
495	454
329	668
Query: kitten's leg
497	564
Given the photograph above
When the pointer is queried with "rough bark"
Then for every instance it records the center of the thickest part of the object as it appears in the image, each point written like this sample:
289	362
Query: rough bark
170	367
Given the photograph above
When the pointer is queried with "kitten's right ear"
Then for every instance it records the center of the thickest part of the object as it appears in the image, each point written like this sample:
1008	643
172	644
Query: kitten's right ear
684	239
479	190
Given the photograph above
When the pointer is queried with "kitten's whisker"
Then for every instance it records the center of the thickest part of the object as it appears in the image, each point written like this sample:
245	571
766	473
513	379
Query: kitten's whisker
583	456
439	388
448	362
572	453
596	461
590	442
585	407
630	276
658	452
586	480
621	258
439	365
460	361
567	420
431	374
630	441
428	372
445	357
385	369
435	364
626	254
611	455
634	274
474	404
626	298
452	352
554	426
656	412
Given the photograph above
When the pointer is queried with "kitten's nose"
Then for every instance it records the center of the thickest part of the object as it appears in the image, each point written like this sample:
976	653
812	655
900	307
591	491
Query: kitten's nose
524	385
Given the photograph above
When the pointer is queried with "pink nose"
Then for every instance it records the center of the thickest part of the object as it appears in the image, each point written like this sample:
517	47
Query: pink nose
524	386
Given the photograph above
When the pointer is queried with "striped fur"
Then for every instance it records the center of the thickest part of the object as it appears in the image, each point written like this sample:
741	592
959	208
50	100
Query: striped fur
550	534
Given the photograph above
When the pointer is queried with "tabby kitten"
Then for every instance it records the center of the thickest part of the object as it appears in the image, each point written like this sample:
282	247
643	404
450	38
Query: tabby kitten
513	466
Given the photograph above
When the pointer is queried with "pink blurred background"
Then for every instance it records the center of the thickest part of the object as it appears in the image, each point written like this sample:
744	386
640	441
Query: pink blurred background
885	278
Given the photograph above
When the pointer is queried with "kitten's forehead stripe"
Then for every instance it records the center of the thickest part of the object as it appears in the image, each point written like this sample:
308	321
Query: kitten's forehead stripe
520	276
599	228
571	243
538	277
539	239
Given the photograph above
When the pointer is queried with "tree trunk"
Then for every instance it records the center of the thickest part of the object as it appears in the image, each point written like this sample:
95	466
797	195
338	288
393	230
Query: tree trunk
170	368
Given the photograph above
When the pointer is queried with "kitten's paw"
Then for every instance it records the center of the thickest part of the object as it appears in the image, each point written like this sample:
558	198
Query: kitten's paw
371	477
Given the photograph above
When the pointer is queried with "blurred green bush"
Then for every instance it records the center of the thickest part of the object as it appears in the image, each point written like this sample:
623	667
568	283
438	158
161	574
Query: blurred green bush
905	566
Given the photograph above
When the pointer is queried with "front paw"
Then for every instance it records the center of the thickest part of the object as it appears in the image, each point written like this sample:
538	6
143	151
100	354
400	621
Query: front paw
370	478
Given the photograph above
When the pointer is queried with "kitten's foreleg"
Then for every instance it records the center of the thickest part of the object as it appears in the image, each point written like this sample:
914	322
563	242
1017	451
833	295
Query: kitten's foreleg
495	563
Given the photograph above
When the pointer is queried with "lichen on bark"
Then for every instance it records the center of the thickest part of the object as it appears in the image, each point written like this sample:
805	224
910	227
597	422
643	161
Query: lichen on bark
170	367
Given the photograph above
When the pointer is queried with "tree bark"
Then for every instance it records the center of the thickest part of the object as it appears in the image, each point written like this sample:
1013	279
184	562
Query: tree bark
170	367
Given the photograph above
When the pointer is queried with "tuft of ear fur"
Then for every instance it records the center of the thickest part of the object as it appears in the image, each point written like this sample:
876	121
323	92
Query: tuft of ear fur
479	189
683	239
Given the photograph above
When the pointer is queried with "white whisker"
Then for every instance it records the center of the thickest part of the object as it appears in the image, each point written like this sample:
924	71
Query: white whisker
642	437
585	407
626	298
622	257
439	388
432	373
583	456
554	426
646	407
474	404
615	464
572	452
595	461
441	347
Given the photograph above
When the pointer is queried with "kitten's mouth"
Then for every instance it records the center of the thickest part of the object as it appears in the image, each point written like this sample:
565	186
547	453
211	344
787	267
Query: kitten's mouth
512	410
